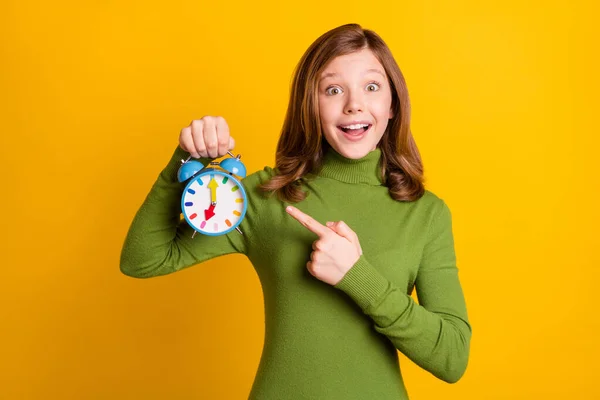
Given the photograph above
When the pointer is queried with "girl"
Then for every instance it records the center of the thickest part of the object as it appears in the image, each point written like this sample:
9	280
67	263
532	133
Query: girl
337	284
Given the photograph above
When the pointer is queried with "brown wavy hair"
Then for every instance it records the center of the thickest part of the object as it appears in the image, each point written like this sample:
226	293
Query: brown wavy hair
301	145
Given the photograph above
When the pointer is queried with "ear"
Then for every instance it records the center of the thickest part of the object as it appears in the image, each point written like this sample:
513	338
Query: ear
391	112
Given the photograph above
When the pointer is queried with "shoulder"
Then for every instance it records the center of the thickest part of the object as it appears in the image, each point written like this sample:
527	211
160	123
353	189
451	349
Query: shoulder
433	206
259	177
431	200
253	181
436	212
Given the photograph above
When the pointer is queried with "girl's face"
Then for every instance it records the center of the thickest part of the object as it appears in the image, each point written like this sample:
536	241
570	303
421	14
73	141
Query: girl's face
355	103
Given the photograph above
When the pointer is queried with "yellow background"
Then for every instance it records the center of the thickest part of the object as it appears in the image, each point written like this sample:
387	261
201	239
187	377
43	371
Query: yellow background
504	99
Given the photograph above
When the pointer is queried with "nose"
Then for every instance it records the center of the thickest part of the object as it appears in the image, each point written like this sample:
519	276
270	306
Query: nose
354	103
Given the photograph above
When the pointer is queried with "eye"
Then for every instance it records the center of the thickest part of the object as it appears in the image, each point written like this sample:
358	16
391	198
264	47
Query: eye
333	90
373	87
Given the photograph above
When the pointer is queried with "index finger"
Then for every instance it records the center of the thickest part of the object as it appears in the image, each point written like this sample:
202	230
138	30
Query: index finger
309	222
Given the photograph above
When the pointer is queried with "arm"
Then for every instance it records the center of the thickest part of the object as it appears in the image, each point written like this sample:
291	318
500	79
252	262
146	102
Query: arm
158	243
436	333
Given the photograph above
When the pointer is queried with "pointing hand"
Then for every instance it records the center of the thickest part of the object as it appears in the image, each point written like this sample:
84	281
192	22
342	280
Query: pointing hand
336	250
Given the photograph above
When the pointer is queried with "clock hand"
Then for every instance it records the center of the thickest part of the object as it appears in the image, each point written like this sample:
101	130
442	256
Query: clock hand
209	213
212	185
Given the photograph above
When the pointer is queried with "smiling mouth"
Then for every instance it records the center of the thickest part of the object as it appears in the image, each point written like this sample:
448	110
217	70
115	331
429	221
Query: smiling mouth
355	130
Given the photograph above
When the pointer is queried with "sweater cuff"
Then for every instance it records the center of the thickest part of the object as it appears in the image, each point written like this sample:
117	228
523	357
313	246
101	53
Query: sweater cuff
364	284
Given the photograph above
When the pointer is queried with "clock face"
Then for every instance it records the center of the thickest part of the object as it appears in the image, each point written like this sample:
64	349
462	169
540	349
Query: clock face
214	203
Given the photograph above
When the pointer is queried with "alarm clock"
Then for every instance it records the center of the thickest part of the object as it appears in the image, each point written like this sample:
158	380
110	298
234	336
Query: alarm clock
214	201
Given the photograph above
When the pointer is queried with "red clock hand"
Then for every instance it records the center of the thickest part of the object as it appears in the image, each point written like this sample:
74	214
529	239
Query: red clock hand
208	214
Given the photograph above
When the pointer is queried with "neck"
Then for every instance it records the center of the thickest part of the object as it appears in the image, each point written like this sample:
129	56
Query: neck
365	170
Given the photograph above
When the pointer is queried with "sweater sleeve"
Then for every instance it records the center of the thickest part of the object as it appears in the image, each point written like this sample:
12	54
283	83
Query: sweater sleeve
435	334
160	242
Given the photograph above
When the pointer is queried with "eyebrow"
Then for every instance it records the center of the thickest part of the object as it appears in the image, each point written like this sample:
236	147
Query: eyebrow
333	74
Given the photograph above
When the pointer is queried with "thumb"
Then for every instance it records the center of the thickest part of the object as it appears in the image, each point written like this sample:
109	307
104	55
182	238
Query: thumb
231	143
342	229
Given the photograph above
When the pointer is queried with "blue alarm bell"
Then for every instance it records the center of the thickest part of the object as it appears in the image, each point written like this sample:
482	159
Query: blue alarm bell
188	169
234	166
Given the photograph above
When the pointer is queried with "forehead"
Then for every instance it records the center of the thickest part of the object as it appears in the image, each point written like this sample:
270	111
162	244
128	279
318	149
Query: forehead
359	62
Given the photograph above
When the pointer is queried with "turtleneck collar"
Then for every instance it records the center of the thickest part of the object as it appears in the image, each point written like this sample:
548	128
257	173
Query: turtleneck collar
362	170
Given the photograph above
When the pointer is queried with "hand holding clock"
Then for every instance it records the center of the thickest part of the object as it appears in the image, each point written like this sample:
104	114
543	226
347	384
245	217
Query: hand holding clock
336	250
206	137
209	137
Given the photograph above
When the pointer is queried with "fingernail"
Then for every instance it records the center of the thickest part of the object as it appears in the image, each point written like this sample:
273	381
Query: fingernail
329	223
289	208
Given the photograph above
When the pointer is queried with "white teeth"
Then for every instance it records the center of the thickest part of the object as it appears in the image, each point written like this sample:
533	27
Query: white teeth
357	126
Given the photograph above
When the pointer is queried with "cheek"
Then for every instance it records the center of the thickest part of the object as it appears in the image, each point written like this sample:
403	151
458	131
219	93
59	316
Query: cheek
382	108
326	112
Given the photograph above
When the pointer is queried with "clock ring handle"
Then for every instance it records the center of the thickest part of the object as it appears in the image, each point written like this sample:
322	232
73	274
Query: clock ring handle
236	157
228	152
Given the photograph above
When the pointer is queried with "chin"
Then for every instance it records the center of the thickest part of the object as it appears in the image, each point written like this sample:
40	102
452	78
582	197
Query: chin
353	152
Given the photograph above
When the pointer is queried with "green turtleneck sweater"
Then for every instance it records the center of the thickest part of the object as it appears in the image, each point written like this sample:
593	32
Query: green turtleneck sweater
323	341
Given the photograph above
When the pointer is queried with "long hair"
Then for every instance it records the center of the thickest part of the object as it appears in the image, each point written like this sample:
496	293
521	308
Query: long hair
301	145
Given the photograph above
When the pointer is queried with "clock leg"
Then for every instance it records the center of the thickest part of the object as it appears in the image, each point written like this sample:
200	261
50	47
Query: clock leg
238	229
